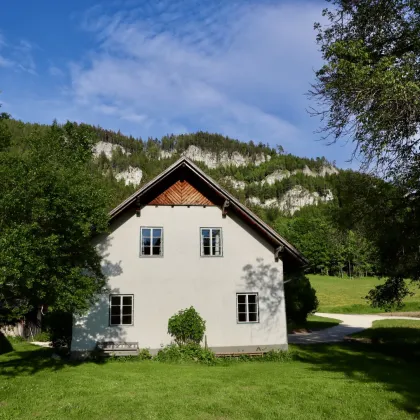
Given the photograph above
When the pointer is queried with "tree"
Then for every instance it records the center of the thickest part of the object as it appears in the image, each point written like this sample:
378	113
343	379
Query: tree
368	91
51	202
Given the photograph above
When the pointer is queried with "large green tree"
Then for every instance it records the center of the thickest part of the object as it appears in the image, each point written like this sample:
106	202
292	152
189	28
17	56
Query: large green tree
51	202
368	91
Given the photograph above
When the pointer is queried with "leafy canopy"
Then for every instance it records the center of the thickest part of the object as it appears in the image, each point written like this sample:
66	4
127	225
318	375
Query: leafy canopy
51	201
368	91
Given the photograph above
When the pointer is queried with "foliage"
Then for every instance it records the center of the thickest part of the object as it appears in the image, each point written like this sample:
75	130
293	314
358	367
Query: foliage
368	91
301	297
144	354
187	327
186	352
42	336
50	201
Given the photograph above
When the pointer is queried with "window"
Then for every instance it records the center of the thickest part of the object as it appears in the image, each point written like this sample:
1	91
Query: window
211	242
121	310
247	307
151	242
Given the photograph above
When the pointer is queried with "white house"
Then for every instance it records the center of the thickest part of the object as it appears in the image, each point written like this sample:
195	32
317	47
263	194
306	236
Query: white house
181	241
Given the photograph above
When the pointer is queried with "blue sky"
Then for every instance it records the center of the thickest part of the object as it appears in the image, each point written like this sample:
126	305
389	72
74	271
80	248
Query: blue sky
149	68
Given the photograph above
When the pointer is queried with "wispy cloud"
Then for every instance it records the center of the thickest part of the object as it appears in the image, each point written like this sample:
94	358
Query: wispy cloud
19	56
23	55
237	69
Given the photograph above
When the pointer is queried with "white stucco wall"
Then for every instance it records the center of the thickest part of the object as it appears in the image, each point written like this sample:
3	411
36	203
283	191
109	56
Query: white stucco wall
181	278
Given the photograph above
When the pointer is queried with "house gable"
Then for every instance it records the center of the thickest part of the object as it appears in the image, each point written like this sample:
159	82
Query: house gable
181	193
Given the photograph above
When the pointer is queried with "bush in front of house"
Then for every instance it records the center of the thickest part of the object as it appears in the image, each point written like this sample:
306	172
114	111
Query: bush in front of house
187	327
174	353
300	296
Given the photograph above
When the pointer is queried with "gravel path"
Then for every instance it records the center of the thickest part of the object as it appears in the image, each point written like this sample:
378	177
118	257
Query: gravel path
351	324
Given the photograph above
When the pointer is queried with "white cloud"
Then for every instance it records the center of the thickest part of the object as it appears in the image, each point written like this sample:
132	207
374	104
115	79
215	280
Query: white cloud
241	70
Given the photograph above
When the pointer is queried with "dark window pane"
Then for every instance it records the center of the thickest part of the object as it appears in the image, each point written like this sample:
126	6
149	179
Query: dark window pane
145	250
127	300
157	233
115	300
156	241
216	233
126	310
126	319
146	241
206	242
252	317
206	250
241	298
252	298
252	307
146	232
156	250
115	310
115	320
242	317
241	307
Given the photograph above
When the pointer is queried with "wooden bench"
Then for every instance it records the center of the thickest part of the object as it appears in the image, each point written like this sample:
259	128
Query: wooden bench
242	353
118	348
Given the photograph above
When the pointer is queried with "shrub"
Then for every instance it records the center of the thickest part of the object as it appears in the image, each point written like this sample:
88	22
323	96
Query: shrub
301	297
188	352
42	336
144	354
277	356
187	327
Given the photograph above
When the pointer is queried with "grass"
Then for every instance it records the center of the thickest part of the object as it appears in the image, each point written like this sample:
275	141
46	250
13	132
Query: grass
348	381
315	323
345	295
392	331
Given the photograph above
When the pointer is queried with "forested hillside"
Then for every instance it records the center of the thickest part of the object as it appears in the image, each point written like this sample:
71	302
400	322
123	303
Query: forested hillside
309	201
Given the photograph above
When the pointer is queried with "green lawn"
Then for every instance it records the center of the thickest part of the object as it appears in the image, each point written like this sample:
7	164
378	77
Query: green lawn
348	381
344	295
315	323
393	331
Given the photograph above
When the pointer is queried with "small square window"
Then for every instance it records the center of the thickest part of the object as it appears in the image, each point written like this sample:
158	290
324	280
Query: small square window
247	307
211	242
121	310
151	242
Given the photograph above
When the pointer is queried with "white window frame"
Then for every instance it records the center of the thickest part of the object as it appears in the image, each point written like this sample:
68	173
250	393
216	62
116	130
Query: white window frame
211	237
152	228
247	294
121	311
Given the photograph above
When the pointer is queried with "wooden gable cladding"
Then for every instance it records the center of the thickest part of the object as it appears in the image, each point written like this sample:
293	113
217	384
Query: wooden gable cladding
182	193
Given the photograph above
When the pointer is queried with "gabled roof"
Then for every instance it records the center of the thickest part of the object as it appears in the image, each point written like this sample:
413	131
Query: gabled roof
243	212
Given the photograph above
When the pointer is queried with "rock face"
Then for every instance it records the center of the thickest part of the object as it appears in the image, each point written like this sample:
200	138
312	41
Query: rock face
130	176
235	183
166	154
293	200
276	176
213	160
107	148
284	173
